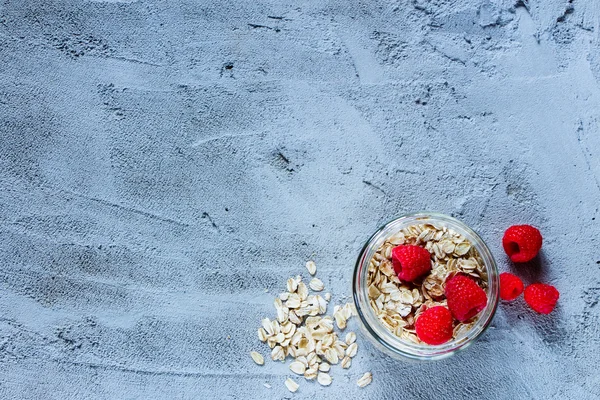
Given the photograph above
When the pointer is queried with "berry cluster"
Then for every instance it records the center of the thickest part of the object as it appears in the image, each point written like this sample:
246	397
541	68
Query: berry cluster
465	300
522	243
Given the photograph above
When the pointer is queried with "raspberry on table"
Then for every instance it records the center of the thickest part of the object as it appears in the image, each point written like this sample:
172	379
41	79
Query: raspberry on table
465	298
522	242
541	297
434	325
410	262
511	286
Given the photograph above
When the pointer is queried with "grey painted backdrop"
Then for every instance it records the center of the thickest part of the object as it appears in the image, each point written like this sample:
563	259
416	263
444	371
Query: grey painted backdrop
164	162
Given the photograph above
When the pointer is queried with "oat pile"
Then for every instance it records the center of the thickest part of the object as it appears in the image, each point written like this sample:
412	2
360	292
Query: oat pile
300	331
397	304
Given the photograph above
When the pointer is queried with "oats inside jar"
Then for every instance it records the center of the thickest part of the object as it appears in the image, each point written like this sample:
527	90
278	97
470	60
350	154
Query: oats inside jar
399	303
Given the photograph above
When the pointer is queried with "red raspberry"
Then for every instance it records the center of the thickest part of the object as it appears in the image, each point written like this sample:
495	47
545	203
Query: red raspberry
434	325
511	286
465	298
522	242
541	297
410	262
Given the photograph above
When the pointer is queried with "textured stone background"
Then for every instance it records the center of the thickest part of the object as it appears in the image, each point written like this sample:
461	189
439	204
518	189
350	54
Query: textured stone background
164	162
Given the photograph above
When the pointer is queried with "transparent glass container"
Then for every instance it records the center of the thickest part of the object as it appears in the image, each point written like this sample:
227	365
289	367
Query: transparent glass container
385	340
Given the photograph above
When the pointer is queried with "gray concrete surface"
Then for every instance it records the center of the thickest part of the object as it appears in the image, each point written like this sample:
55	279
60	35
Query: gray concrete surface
165	162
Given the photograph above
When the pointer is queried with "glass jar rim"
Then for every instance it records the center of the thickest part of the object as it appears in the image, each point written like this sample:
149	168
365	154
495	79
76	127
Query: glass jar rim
371	323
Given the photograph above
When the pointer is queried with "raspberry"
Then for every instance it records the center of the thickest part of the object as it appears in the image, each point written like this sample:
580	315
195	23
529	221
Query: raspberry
511	286
434	325
541	297
465	298
522	242
410	262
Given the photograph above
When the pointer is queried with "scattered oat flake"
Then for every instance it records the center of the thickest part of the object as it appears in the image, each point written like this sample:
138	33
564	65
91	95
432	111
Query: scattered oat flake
292	285
311	267
262	335
340	320
346	362
297	367
331	356
303	360
267	385
257	357
351	350
364	380
277	354
302	291
350	338
324	379
316	284
291	385
324	367
311	373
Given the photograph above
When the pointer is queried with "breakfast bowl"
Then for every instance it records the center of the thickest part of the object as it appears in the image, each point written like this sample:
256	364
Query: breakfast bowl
389	307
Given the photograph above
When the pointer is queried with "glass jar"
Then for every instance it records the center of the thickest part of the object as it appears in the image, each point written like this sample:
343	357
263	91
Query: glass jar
385	340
